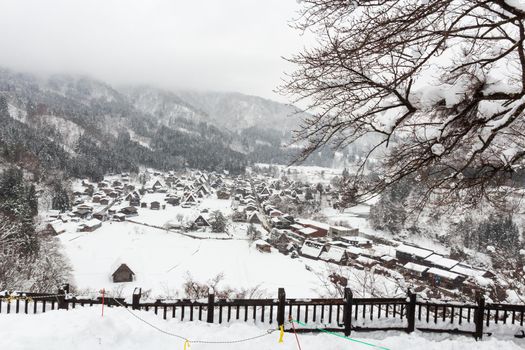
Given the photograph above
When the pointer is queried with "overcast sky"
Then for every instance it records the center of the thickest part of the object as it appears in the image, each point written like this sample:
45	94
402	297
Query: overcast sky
230	45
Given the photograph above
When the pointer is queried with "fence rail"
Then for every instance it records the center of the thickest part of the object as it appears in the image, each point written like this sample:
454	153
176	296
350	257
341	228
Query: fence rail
342	315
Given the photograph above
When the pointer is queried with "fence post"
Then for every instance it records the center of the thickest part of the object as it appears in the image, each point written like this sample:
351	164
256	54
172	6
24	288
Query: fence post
347	311
61	298
137	293
211	308
478	316
281	294
411	312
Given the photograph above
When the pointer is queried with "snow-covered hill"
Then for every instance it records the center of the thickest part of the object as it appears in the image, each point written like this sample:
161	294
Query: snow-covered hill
237	111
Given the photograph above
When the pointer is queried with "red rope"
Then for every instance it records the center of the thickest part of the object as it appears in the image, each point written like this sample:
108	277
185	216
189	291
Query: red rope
103	292
295	332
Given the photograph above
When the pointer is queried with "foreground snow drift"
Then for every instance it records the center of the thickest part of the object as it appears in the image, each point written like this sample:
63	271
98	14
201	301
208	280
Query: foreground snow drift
118	330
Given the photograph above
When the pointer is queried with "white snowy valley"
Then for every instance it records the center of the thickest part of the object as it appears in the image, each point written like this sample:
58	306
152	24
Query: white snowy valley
179	235
247	174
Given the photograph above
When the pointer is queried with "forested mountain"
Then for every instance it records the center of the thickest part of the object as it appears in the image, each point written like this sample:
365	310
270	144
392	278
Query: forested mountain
85	128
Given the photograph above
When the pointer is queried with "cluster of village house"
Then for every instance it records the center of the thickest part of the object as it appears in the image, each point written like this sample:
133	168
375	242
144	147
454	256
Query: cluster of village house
346	245
118	199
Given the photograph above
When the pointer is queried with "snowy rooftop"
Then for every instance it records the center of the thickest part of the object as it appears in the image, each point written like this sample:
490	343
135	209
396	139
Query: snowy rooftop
312	249
365	261
334	253
415	267
308	231
419	252
443	273
354	250
321	225
357	239
441	261
467	270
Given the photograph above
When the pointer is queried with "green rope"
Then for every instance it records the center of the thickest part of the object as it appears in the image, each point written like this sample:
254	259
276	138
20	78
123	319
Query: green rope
344	337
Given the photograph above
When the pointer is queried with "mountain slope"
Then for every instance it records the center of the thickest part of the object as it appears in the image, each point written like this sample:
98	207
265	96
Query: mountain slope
84	127
237	111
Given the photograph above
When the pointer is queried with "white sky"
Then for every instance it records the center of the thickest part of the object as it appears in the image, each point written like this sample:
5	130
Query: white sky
230	45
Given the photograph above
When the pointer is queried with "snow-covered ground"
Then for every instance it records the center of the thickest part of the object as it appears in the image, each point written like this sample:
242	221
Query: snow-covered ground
162	259
84	328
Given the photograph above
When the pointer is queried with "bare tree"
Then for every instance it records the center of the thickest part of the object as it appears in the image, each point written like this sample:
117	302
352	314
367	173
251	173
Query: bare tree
439	84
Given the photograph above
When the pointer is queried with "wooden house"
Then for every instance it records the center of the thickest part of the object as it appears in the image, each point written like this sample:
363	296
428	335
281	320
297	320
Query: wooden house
415	270
223	194
254	218
311	249
336	255
173	201
201	221
134	201
129	211
55	228
340	231
442	278
321	228
440	262
250	207
263	246
119	217
356	241
281	241
155	205
123	274
275	213
100	215
190	199
407	253
91	225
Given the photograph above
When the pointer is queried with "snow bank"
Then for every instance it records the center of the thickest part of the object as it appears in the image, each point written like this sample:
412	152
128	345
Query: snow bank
85	329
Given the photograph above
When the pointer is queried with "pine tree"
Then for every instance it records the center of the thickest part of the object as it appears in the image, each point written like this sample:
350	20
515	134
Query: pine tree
60	200
4	109
219	222
32	200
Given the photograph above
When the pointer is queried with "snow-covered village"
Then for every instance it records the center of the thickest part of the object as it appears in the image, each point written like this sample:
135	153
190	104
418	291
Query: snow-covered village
283	174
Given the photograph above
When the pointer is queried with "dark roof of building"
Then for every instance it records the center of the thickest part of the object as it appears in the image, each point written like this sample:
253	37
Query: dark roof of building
122	268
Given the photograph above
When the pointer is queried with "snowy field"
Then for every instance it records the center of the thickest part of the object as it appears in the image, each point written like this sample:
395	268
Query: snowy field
162	259
85	329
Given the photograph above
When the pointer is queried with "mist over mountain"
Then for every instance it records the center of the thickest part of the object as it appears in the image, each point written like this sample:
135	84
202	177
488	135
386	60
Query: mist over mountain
86	127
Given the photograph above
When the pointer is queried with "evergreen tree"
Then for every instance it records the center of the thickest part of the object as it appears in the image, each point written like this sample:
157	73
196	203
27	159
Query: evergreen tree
18	205
308	195
390	212
218	223
252	233
60	200
32	200
500	232
4	109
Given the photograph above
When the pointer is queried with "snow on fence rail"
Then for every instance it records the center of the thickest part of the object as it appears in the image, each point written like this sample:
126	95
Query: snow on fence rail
339	315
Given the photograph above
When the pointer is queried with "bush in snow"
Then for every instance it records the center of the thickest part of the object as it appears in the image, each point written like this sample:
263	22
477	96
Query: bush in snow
194	289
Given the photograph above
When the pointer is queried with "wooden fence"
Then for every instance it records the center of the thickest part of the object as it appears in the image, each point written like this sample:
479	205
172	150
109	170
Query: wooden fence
338	315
